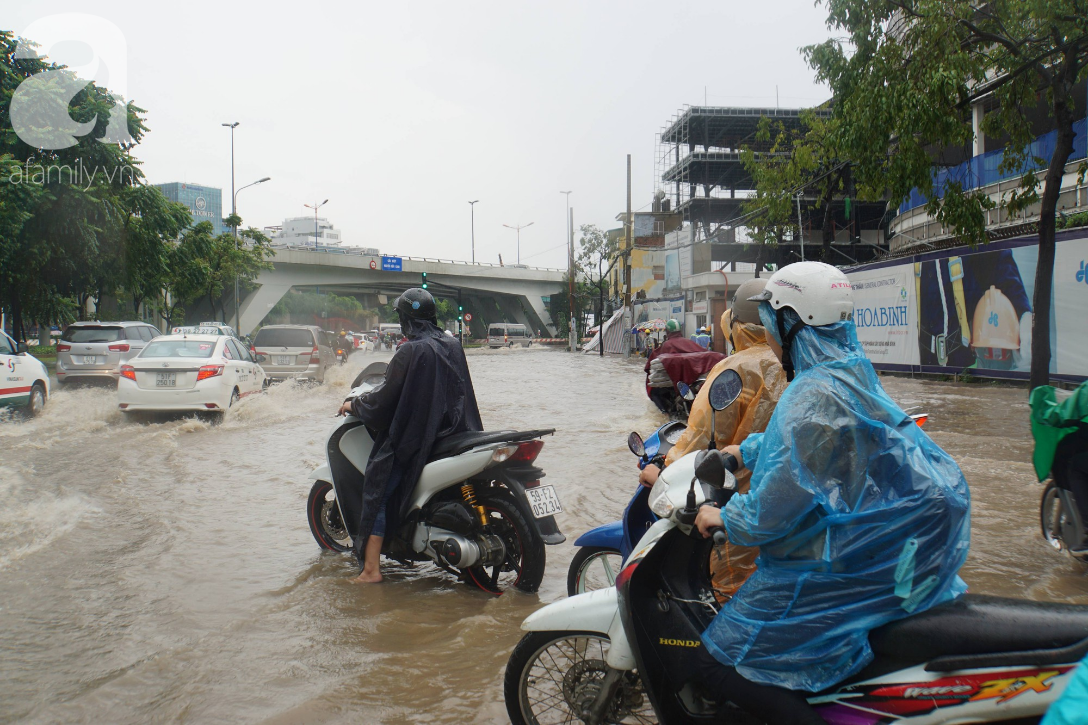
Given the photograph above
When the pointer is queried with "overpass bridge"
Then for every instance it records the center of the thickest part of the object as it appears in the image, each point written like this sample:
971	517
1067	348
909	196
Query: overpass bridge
490	292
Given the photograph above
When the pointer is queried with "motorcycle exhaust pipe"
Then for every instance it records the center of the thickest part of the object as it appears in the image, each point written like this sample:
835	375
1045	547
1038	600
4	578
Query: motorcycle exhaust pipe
458	551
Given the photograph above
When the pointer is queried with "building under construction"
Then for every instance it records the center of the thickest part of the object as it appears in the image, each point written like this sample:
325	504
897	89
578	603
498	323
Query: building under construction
700	174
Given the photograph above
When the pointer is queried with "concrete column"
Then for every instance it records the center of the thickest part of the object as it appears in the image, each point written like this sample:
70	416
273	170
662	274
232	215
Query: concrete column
978	113
257	303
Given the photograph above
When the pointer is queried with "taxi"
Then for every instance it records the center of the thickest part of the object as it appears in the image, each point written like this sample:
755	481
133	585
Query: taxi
189	372
24	380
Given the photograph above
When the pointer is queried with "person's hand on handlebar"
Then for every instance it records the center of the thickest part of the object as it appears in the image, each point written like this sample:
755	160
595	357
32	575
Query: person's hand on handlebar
735	452
345	408
708	518
649	474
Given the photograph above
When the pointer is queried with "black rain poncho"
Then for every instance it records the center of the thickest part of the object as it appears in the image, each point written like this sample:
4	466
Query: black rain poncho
427	395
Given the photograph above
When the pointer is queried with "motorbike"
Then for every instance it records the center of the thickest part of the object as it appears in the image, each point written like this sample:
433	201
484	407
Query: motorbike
676	378
621	655
1059	517
603	549
478	510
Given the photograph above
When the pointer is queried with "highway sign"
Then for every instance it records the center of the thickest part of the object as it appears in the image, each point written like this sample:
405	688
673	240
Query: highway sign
391	264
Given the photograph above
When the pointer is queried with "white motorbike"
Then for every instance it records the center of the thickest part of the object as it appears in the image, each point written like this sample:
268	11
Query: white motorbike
478	510
622	654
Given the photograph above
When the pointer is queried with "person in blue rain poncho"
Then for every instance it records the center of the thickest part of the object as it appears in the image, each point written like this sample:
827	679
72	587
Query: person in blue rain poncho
860	518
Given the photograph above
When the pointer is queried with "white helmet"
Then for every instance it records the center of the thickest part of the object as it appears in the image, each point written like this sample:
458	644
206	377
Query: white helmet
819	293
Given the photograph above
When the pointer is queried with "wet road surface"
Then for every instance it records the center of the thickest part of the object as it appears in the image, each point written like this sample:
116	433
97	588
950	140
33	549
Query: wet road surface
162	570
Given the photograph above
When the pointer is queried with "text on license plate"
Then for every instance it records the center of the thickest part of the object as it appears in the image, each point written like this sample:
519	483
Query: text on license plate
166	380
285	360
543	501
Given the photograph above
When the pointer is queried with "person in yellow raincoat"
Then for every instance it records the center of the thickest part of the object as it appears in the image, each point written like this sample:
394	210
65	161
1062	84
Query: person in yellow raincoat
764	382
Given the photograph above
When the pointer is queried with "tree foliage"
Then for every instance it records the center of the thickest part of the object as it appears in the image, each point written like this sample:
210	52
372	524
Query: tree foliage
904	77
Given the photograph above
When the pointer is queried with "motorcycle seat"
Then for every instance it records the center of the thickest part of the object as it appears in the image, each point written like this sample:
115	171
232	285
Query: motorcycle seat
983	631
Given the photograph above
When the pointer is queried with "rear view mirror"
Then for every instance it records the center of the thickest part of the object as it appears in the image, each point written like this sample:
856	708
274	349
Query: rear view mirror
21	349
634	442
725	390
261	358
710	468
685	391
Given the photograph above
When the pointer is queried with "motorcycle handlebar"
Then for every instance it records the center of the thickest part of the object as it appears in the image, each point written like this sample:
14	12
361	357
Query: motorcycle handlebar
731	463
718	534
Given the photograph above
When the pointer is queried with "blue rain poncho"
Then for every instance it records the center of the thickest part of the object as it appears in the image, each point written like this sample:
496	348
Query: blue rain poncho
859	516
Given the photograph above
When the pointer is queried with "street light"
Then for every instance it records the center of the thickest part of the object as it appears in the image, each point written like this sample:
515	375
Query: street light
315	206
518	229
234	210
570	272
472	206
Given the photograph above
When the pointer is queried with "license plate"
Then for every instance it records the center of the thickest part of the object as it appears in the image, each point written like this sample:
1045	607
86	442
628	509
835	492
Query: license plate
166	380
543	501
90	360
285	360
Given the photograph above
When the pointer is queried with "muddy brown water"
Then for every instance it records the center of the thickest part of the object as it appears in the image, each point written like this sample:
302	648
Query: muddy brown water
162	570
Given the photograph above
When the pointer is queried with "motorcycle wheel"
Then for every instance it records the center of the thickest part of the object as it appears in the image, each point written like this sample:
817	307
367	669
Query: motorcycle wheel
553	677
592	568
325	522
523	565
1050	516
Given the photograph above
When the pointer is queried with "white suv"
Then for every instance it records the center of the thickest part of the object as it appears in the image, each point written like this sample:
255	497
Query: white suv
24	381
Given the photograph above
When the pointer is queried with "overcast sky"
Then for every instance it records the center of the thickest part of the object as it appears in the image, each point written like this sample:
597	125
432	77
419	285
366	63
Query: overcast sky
399	113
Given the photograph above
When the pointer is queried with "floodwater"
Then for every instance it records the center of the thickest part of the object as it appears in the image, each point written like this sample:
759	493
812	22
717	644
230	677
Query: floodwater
163	571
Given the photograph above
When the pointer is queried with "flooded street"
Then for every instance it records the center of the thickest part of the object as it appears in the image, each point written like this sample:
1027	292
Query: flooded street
164	571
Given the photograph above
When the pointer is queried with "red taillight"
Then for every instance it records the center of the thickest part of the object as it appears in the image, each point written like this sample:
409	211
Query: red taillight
626	574
315	356
210	406
253	349
122	406
127	371
120	347
209	371
528	451
63	348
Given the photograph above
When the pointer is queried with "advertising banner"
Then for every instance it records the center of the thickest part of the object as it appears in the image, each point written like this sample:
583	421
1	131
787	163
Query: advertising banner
969	310
648	310
885	316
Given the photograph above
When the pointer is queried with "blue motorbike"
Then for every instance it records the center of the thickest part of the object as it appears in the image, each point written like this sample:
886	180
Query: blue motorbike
602	550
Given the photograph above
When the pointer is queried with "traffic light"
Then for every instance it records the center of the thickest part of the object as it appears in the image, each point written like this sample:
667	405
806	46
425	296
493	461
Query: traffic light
424	285
460	313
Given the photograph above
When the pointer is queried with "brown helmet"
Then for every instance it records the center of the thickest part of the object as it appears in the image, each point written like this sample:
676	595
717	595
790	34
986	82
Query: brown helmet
742	307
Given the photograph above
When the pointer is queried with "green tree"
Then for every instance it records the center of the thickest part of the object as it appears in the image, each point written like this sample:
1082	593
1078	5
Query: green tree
596	255
904	78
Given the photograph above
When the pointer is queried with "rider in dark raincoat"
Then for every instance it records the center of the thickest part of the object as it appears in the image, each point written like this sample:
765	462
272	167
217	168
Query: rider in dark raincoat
427	395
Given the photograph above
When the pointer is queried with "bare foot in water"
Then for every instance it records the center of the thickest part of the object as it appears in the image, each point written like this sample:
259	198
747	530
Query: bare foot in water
368	578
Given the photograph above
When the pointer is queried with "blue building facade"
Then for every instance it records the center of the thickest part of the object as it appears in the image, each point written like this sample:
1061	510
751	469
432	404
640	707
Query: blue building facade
205	202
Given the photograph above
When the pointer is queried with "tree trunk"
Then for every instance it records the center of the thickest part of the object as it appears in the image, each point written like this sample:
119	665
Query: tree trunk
828	228
17	331
1044	271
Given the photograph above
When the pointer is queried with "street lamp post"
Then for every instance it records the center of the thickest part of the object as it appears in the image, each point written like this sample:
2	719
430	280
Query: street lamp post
315	206
472	207
237	291
233	211
518	229
570	271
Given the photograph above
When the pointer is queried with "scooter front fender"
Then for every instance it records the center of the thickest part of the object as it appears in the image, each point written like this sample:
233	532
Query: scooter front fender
609	536
596	611
590	612
322	473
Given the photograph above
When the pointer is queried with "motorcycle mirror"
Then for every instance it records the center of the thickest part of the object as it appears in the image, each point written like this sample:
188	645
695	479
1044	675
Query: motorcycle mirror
634	442
725	389
685	391
710	468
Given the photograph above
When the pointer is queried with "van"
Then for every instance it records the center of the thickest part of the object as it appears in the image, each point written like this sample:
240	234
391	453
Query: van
294	351
97	350
508	334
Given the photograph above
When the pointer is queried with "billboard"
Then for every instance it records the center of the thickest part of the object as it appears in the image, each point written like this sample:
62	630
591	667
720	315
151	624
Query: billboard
970	310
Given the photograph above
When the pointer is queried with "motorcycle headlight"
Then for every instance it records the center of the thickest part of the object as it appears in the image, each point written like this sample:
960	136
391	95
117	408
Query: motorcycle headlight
660	503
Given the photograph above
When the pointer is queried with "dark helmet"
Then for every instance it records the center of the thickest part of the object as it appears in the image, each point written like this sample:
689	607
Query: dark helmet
416	303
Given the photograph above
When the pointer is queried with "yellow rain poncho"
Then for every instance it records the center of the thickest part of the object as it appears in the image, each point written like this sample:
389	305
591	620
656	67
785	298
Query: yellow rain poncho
764	382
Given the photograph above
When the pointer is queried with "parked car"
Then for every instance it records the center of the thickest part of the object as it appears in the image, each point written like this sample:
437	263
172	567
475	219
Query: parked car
24	380
189	372
294	351
508	334
97	350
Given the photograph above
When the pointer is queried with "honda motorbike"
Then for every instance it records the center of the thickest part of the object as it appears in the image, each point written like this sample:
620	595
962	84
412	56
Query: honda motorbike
622	655
478	510
1059	517
603	549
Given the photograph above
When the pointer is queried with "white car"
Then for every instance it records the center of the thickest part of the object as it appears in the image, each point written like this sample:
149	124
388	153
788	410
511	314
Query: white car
24	381
189	372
